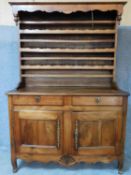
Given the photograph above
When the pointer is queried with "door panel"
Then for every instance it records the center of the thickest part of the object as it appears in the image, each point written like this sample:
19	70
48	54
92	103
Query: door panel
40	131
96	132
88	133
34	132
108	133
49	129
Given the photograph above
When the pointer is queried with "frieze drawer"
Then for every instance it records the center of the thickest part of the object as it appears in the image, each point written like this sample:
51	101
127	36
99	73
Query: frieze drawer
96	100
38	100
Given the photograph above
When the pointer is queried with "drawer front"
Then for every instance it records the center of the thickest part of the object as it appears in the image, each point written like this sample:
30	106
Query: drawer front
38	100
96	100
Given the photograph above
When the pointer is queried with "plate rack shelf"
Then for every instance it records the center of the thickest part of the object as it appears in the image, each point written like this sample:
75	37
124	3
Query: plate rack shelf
76	49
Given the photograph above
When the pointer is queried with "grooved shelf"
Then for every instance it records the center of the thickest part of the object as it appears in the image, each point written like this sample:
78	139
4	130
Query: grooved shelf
67	67
66	41
26	31
66	50
66	76
67	58
70	22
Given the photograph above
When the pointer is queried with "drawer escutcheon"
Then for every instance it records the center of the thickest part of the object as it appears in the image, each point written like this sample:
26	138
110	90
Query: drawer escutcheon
37	99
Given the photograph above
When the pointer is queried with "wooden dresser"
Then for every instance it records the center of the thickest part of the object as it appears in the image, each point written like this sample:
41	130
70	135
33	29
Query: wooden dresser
67	107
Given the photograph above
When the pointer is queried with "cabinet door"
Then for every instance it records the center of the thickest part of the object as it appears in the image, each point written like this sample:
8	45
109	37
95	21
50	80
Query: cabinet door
38	131
96	133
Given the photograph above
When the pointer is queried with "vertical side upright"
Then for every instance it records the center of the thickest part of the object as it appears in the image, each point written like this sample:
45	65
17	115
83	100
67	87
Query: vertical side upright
12	140
118	19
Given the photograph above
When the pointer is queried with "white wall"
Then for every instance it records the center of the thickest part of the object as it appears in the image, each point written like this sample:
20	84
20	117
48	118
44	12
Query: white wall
6	16
126	19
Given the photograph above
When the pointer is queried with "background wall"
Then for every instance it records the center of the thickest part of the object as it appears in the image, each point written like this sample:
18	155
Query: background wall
6	17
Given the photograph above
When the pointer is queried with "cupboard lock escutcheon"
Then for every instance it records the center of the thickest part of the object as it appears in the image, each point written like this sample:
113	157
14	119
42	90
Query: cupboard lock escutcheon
98	100
76	135
58	134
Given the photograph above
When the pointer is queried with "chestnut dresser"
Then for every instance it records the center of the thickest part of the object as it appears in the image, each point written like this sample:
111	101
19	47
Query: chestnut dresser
67	107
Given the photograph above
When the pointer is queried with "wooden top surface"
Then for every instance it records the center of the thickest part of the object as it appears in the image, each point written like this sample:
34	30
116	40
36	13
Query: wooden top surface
67	91
68	1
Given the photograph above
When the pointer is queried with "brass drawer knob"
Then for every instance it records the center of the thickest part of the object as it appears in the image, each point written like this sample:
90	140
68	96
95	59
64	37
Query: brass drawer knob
98	100
37	99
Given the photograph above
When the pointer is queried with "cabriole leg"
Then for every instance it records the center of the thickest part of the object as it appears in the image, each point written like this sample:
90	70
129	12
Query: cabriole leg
120	165
14	165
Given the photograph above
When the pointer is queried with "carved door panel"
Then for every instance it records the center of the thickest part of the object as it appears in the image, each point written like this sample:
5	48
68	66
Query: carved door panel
38	131
97	133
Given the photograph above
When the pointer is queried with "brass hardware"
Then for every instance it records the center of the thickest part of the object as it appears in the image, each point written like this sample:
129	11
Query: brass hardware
58	134
76	135
98	100
37	99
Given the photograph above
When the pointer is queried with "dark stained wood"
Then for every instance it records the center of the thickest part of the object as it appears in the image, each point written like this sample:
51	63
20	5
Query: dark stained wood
67	107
